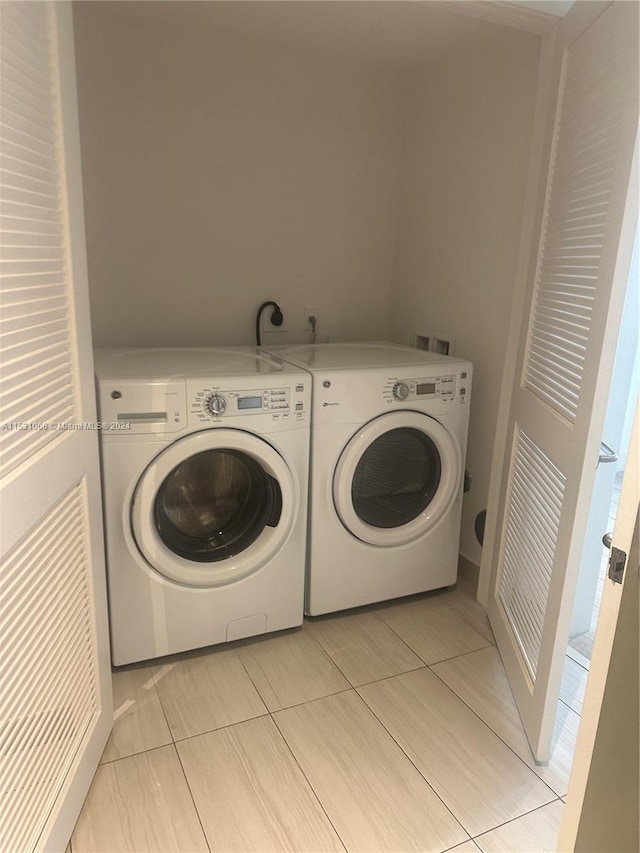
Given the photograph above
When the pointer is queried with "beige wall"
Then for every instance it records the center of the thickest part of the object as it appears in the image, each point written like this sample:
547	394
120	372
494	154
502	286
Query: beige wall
469	122
221	172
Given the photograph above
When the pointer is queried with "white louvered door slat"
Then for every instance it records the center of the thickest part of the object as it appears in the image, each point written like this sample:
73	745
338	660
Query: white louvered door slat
565	358
31	332
531	532
589	141
53	560
55	702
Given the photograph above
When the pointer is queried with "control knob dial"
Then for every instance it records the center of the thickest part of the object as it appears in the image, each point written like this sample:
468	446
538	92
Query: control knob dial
215	404
401	390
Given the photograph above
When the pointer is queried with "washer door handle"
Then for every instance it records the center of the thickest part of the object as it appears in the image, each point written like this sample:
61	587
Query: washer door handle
275	499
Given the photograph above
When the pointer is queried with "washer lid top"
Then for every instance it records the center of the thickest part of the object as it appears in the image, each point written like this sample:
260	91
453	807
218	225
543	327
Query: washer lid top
369	354
145	363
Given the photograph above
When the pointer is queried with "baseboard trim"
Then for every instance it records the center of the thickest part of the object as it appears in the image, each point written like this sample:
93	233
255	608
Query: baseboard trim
468	571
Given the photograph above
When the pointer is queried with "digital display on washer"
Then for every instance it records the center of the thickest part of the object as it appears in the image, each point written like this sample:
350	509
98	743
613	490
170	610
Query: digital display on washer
426	388
249	402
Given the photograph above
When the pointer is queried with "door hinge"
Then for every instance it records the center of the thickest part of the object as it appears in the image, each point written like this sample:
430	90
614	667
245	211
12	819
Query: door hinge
617	563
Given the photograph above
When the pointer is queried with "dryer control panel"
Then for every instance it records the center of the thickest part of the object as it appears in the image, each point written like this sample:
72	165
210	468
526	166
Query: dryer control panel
445	388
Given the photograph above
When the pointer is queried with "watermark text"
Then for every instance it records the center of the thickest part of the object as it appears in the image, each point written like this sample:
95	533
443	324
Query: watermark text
44	426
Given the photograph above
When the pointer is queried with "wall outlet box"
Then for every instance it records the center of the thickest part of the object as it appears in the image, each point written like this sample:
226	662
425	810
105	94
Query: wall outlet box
432	342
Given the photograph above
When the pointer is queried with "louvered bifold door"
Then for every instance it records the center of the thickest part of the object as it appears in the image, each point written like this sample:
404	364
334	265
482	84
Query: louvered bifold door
55	709
565	357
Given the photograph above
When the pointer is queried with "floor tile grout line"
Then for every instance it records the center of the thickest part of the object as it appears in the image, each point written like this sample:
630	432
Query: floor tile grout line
304	701
413	764
439	661
313	699
307	780
461	655
221	728
173	746
195	805
377	615
330	659
139	752
455	846
500	738
393	675
402	640
255	686
164	713
336	664
175	740
513	819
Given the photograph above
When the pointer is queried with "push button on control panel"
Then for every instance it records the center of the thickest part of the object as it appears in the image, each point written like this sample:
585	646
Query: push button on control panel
276	400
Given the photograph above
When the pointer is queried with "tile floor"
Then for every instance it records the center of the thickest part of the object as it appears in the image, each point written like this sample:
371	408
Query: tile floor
389	728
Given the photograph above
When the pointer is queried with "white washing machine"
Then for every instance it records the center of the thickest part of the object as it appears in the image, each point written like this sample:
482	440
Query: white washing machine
388	443
205	480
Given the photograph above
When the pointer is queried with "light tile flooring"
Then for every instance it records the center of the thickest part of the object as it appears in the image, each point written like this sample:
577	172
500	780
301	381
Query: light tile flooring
389	728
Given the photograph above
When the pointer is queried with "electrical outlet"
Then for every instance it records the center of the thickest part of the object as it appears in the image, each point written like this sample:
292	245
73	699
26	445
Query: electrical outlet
309	312
267	325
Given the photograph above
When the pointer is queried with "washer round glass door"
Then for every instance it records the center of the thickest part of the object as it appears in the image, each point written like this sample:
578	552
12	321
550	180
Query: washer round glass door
213	507
396	478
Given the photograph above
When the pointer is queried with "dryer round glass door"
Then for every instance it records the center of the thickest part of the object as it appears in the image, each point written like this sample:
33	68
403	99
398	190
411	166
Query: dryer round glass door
396	478
214	507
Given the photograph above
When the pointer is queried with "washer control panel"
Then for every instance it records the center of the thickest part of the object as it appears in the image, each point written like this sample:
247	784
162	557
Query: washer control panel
214	403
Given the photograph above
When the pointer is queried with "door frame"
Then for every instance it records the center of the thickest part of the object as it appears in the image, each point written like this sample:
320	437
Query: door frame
596	808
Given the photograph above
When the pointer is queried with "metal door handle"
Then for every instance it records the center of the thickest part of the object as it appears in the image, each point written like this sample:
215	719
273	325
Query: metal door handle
607	539
609	454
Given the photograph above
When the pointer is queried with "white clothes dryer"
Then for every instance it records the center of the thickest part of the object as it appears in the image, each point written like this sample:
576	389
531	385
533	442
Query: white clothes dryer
388	437
205	456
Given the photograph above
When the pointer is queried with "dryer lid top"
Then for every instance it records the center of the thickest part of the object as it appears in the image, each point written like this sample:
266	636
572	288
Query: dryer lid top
177	362
368	354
